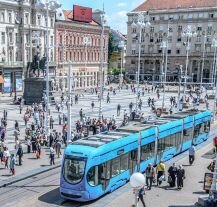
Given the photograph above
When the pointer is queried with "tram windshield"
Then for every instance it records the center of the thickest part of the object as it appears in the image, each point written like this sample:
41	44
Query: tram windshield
74	170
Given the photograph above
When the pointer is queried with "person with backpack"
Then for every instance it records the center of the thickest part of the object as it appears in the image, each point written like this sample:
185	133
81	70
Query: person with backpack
150	175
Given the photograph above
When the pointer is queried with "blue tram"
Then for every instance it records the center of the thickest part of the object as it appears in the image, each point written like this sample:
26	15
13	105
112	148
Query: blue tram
101	163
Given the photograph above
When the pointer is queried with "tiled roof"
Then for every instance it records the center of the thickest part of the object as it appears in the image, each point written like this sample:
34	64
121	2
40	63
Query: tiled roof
174	4
69	17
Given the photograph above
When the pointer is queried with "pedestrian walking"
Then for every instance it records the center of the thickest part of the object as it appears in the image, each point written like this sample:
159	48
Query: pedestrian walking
6	156
16	125
172	172
51	122
92	105
150	175
52	155
180	177
28	145
58	148
160	171
12	164
141	194
118	109
38	150
20	154
191	154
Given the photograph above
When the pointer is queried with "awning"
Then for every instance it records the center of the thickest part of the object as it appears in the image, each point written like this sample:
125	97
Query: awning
1	79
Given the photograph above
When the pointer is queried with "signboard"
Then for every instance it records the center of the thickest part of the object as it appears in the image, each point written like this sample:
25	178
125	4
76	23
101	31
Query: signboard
207	181
82	14
82	69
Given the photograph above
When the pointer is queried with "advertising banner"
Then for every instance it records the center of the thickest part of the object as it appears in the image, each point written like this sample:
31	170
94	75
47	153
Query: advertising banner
82	14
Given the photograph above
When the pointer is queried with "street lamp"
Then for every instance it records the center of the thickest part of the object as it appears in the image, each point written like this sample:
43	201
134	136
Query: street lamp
204	48
122	45
164	46
141	23
52	5
180	81
214	44
101	63
188	32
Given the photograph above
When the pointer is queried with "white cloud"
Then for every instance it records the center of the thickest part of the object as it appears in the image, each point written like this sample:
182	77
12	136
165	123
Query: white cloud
121	4
122	13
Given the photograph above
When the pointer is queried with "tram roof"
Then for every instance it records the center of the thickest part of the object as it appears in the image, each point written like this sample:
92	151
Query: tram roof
101	139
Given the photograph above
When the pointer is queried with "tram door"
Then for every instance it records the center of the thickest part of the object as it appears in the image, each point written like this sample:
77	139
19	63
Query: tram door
104	175
133	161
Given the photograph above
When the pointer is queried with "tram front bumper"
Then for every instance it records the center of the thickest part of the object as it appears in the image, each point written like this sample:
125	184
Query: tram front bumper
74	195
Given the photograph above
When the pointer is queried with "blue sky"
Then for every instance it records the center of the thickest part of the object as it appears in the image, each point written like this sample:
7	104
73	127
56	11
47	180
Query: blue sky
115	10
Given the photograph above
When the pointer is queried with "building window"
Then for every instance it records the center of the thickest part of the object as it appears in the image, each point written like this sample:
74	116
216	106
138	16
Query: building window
171	17
211	15
27	38
199	28
161	17
169	51
51	22
133	52
151	38
3	38
170	39
153	18
61	39
179	38
26	18
178	51
10	17
39	20
133	62
190	16
151	29
2	16
10	38
179	27
67	39
198	38
170	28
133	30
51	40
17	38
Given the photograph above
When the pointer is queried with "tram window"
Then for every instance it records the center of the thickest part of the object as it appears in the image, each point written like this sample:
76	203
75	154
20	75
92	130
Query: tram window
207	127
202	127
161	145
147	151
187	134
115	167
133	155
196	130
168	142
74	170
92	176
124	162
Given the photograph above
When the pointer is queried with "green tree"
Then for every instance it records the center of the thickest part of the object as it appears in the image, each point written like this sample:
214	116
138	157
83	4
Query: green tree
111	46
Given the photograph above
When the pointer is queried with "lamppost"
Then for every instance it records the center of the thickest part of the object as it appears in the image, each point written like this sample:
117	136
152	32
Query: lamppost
204	49
142	22
180	81
69	120
101	64
189	32
214	44
164	46
52	5
122	45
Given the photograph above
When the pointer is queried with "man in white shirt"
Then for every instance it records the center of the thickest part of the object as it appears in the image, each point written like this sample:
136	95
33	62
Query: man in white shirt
191	154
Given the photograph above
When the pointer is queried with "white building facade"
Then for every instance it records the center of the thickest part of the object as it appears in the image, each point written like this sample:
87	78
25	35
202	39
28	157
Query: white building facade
22	35
168	22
